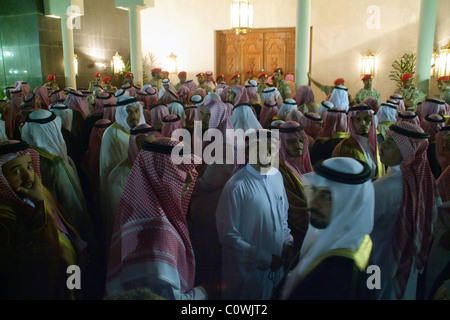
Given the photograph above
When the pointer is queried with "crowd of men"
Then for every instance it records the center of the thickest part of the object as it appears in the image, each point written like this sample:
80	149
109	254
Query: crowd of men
320	193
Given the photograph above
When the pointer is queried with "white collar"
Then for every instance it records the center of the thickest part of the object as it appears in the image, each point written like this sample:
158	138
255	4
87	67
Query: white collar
363	140
257	174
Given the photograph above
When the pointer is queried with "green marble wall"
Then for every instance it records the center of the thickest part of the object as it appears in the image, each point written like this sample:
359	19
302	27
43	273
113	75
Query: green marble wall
20	57
31	43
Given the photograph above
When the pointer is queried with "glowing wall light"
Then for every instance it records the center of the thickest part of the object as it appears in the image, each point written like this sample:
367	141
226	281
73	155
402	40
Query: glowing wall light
75	62
444	61
368	63
117	63
435	63
100	65
241	13
171	64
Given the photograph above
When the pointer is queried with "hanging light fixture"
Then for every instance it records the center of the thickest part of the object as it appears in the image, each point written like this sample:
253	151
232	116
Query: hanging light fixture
117	63
444	61
241	16
368	63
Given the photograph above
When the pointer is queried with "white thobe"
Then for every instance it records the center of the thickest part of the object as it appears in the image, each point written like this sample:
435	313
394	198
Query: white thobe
161	278
388	199
113	150
211	85
365	148
252	225
61	179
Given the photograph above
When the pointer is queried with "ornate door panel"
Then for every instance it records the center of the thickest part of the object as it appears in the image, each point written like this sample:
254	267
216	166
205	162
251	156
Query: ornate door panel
261	50
274	51
289	64
252	46
228	55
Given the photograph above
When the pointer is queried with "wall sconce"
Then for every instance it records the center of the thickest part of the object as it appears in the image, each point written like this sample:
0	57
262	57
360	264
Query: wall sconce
241	13
444	61
368	63
75	62
117	63
171	64
435	63
100	65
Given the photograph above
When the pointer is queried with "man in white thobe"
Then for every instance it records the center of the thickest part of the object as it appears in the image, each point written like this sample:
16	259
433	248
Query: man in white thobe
115	142
251	220
118	177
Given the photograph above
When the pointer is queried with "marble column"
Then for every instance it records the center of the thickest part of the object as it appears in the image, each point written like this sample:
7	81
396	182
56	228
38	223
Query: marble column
427	25
302	39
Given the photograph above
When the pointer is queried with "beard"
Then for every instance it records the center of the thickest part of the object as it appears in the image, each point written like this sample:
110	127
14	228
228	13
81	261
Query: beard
316	219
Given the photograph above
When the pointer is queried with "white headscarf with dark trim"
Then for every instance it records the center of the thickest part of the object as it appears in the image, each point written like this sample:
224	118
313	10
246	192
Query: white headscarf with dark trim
121	111
352	216
46	136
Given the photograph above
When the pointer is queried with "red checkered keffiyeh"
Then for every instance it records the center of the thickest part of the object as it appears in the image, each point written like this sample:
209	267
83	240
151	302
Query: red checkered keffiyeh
335	120
150	227
143	129
313	124
295	115
408	116
241	94
399	98
191	115
42	93
157	113
269	110
373	103
443	181
170	123
299	165
102	99
413	231
430	106
6	192
220	118
76	100
13	117
92	156
304	95
443	160
184	95
432	124
149	96
5	189
252	92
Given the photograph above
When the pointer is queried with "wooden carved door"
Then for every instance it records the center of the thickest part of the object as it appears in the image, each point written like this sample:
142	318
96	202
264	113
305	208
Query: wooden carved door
261	50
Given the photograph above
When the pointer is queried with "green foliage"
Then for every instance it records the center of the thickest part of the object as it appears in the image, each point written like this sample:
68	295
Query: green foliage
127	68
406	64
148	63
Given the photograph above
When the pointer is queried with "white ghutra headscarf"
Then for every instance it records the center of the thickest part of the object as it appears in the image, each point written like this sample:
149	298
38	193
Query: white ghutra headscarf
352	213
